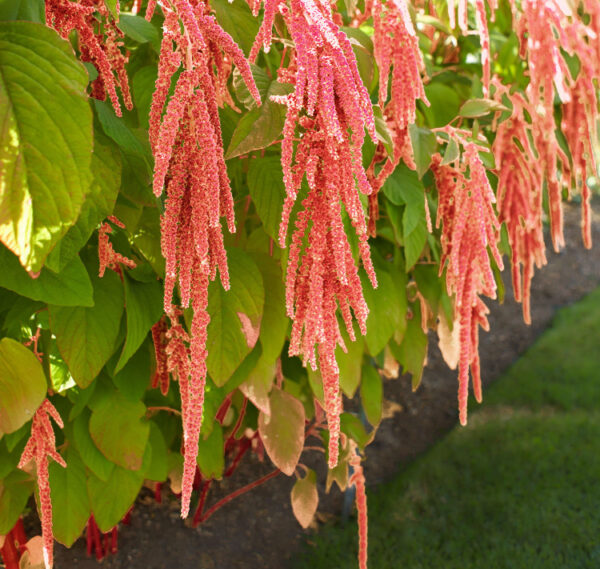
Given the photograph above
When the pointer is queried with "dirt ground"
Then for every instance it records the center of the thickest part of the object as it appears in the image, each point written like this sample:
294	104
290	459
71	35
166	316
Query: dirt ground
258	530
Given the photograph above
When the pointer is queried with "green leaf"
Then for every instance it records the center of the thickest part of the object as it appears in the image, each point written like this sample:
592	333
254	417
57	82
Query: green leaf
257	385
144	307
158	469
261	126
236	19
424	146
86	336
106	172
452	152
265	184
46	140
22	385
274	322
69	287
282	432
211	454
139	30
15	490
119	431
305	498
142	87
89	452
371	394
351	426
480	107
414	242
112	7
235	316
29	10
115	128
111	499
412	351
70	502
134	378
350	363
444	104
403	186
384	311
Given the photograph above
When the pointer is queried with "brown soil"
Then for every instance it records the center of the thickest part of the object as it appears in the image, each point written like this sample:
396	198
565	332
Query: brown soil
258	530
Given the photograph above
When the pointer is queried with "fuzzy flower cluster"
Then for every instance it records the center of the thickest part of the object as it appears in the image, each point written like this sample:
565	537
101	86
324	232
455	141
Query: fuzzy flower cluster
357	479
519	194
40	446
107	256
189	166
545	28
482	30
396	50
330	109
469	228
100	43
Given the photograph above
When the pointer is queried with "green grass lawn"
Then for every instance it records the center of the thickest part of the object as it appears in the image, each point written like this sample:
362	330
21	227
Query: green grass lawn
519	487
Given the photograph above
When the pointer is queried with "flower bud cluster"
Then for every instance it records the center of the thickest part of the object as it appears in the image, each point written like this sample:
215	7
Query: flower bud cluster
101	48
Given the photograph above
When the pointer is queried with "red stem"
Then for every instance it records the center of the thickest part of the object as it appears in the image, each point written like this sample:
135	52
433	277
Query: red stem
203	495
88	538
114	541
238	423
20	535
243	447
220	416
9	552
237	493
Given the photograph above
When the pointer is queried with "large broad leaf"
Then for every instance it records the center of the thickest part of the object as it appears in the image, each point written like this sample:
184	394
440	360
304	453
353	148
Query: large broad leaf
143	307
86	336
119	431
261	126
69	287
305	498
45	141
70	502
265	183
159	468
111	499
106	172
282	432
15	490
22	385
235	316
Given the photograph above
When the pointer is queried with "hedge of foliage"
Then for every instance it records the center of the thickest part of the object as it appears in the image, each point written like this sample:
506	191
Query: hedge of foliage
219	219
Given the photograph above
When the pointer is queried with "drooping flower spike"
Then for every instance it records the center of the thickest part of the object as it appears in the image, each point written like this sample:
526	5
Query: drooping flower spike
104	51
396	50
40	446
519	195
189	165
330	108
482	30
469	229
